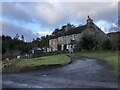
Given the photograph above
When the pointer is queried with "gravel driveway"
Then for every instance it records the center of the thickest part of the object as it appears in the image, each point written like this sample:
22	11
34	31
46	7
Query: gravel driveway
81	73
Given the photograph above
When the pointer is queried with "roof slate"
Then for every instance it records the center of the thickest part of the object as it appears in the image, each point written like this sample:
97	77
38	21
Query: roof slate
71	31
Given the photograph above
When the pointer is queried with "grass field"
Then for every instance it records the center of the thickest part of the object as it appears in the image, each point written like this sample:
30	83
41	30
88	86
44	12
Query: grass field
0	66
108	57
27	64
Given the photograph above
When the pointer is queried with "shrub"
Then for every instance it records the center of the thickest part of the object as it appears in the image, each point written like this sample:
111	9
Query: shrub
87	42
107	44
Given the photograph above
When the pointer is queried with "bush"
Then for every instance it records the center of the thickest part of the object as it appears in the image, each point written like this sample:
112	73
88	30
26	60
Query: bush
87	42
78	47
107	44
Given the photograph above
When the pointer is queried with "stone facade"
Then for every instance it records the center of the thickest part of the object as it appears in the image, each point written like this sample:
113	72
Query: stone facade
64	41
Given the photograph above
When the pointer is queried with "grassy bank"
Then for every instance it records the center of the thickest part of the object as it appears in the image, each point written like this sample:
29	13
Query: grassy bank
108	57
0	66
28	64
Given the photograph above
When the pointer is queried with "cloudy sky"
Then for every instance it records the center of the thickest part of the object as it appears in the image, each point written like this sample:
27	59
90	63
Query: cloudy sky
35	19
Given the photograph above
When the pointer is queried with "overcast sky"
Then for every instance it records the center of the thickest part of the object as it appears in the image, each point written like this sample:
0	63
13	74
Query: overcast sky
35	19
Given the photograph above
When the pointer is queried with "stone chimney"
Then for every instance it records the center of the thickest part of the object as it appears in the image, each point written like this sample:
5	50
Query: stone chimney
68	26
89	21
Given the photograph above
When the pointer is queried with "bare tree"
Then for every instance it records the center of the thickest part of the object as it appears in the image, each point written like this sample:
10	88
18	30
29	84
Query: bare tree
114	27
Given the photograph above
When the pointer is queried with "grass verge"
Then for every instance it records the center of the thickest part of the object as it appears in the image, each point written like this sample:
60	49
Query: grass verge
0	66
28	64
109	57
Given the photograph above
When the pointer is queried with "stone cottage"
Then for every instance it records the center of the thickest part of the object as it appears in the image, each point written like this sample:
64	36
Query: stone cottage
62	41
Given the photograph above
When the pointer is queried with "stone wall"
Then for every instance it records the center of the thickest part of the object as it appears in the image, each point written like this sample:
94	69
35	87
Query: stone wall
53	44
63	40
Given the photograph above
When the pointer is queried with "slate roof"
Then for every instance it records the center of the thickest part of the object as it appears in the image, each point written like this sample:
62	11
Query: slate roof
75	30
71	31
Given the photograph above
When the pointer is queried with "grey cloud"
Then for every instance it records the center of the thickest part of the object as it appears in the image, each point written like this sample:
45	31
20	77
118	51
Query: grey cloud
67	11
98	10
54	14
108	14
16	11
49	14
11	30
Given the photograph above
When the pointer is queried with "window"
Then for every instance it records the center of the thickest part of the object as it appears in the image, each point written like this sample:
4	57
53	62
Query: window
66	37
50	42
73	37
73	46
67	46
62	47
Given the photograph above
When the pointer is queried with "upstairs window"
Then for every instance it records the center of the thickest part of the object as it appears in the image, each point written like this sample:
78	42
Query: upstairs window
66	37
73	37
50	42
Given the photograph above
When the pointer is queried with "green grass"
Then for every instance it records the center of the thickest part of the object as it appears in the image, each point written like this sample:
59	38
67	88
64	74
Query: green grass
108	57
0	66
28	64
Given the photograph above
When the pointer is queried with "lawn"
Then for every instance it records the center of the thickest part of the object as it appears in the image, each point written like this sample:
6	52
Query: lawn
0	66
28	64
108	57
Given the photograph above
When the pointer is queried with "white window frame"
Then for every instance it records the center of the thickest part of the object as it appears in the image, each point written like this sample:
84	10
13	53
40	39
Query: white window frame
67	46
73	37
62	47
66	37
50	42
